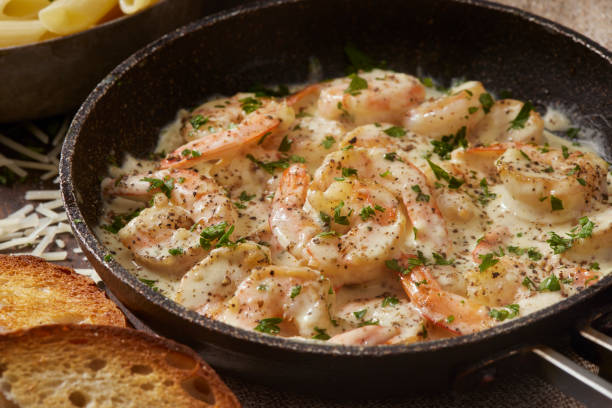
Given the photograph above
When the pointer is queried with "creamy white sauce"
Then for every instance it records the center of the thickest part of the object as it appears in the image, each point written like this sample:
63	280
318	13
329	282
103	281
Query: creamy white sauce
467	222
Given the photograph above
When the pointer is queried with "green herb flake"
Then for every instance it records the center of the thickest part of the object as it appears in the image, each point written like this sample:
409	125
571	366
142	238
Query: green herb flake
250	104
269	325
108	257
440	259
395	131
165	186
285	144
366	212
521	118
356	85
119	221
262	287
581	181
487	261
321	334
198	121
360	313
428	82
550	284
326	219
269	167
556	203
385	174
327	234
486	101
450	319
211	233
485	196
390	156
420	196
340	219
176	251
534	254
507	312
295	291
572	133
447	144
525	155
472	110
390	301
348	172
328	142
150	283
528	283
565	151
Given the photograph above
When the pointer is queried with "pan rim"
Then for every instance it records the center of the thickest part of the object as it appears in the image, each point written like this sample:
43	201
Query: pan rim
93	246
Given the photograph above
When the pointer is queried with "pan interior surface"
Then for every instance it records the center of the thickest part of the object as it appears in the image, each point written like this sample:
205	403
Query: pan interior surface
278	42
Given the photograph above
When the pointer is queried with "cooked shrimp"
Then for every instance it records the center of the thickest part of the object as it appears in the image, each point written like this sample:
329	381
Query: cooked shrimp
376	96
227	142
209	284
452	312
366	336
350	242
159	238
396	175
495	126
214	116
205	201
300	297
447	114
551	185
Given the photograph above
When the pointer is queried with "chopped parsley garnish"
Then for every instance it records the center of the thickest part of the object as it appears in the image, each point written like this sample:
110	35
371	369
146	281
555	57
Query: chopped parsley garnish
150	283
534	254
285	144
581	181
385	174
450	319
440	173
390	301
441	259
297	159
295	291
572	133
549	169
413	262
262	287
359	60
192	153
269	167
594	266
524	155
420	195
176	251
560	244
120	221
565	151
218	231
485	196
348	172
507	312
326	234
528	283
250	104
379	208
356	85
428	82
395	131
261	91
360	313
487	261
472	110
521	118
239	205
556	203
165	186
269	325
390	156
486	101
371	322
260	141
198	121
321	334
326	219
550	284
108	257
340	219
245	197
328	142
447	144
366	212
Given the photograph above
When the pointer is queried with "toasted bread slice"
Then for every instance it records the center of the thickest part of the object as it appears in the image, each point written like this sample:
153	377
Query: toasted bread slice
35	292
104	366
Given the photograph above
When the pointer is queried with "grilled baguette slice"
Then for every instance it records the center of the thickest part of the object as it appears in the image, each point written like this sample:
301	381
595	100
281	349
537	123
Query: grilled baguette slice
104	366
35	292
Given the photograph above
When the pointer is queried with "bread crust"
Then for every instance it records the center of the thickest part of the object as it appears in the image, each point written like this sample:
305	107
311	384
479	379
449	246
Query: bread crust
35	292
148	369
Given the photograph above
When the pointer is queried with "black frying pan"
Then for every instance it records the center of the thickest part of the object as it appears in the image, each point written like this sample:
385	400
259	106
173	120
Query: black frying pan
270	42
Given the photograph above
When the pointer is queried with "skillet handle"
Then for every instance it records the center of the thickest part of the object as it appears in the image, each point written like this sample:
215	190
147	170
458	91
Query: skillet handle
554	367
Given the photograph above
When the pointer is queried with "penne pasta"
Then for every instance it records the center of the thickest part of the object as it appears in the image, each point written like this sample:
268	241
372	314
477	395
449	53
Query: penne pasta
21	9
134	6
20	32
71	16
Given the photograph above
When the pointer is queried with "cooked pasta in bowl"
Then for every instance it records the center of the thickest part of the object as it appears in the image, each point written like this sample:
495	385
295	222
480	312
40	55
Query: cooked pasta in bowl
29	21
371	209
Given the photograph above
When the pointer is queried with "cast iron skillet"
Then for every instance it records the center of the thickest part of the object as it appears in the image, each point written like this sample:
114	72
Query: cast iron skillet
271	42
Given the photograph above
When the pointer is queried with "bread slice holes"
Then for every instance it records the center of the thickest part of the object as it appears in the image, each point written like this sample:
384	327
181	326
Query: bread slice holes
199	389
78	398
147	386
141	369
180	361
96	364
